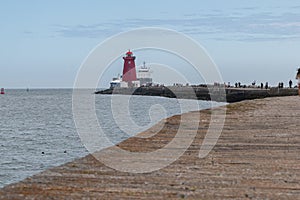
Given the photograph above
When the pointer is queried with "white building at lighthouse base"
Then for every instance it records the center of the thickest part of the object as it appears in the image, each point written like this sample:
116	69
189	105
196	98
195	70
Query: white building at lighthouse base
143	79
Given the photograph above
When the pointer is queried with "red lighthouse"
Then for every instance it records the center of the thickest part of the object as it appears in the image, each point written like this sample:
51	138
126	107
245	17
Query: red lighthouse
129	72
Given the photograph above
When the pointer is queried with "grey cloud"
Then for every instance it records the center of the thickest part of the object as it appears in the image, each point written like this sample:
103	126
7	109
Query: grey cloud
249	8
89	31
251	27
28	32
295	7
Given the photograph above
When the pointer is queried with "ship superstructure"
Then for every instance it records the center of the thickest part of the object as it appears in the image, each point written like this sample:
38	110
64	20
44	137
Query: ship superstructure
131	78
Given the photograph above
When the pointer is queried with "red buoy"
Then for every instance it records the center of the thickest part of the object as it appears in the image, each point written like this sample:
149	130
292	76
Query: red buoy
129	72
2	91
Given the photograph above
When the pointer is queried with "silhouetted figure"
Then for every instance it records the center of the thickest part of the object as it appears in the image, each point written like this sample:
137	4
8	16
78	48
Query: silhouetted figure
267	85
290	83
261	85
236	85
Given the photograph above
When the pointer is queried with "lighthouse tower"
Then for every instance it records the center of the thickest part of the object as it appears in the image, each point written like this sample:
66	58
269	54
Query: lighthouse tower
129	72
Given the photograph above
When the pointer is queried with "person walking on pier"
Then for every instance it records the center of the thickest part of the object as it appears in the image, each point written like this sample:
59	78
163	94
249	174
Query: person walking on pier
290	83
298	78
267	85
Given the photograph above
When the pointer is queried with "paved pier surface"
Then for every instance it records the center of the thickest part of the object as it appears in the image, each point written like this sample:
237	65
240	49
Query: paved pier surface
257	157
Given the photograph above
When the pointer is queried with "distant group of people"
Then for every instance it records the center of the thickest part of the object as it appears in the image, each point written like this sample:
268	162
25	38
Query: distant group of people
239	85
262	85
280	85
180	84
266	85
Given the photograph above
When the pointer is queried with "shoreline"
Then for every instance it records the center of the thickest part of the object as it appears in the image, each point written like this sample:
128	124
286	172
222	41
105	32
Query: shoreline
255	157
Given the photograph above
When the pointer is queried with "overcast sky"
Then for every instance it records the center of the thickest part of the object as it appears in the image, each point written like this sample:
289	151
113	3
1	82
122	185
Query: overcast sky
43	43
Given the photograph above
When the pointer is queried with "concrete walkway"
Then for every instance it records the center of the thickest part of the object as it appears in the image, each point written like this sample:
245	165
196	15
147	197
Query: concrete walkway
257	156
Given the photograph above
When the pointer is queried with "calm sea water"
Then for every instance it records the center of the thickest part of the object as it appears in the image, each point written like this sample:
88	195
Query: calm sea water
37	130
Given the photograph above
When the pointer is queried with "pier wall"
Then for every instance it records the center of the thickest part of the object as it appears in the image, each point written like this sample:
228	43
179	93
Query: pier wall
204	93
